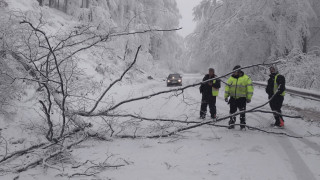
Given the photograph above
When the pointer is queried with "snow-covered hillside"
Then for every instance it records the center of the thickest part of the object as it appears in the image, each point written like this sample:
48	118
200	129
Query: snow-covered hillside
129	15
104	62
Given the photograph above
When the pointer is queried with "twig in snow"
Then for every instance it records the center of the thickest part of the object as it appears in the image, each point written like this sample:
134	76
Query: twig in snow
21	152
41	160
96	168
6	147
258	129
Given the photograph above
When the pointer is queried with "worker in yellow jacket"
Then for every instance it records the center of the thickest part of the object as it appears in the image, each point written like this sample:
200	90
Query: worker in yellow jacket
240	90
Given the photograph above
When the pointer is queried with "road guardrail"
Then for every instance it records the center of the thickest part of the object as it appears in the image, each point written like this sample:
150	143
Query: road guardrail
307	94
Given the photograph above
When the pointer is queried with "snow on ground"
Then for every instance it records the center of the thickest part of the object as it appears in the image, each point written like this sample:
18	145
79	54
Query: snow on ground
300	102
202	153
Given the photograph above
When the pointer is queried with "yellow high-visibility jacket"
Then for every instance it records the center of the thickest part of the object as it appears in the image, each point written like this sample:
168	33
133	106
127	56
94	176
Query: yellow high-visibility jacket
276	86
239	87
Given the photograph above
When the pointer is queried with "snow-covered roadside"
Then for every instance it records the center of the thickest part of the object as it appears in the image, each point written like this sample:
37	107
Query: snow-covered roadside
202	153
306	106
301	93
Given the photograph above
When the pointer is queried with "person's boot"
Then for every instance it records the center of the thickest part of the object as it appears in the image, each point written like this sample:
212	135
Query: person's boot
281	122
232	122
203	114
243	126
277	123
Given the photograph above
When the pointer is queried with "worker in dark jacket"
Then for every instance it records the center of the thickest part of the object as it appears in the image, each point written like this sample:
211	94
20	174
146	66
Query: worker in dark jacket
209	91
276	87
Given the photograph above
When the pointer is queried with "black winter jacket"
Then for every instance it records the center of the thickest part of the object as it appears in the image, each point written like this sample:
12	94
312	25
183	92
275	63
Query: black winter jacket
206	89
281	81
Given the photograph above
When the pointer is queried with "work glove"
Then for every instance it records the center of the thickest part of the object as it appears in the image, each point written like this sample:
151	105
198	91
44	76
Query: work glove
278	93
248	101
226	99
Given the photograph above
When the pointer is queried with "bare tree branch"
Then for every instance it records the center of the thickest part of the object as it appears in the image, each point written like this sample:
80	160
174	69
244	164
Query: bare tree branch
190	122
21	152
40	160
6	146
63	90
48	116
106	112
106	37
259	129
116	81
198	124
279	114
212	121
144	31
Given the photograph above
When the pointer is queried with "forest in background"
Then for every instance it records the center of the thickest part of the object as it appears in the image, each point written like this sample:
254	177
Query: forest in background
231	32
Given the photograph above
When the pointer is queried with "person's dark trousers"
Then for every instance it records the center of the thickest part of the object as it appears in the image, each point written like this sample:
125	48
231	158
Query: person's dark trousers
276	105
236	104
211	101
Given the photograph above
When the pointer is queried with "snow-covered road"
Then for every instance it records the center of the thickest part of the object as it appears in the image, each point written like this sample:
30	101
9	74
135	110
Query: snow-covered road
206	152
213	153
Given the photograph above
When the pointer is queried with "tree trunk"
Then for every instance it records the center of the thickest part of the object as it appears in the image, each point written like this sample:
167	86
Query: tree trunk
65	7
305	45
51	3
58	5
40	2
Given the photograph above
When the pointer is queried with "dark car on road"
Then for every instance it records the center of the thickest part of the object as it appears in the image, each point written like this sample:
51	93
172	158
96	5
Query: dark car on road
174	79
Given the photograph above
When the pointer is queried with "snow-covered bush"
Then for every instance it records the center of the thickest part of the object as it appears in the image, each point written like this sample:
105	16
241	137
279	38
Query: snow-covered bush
302	71
314	38
10	88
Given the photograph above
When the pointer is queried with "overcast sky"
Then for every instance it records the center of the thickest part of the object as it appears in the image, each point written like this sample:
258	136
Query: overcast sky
185	7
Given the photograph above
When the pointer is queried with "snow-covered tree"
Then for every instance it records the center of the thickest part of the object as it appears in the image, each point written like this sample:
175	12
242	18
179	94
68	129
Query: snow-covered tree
314	39
129	15
10	88
231	32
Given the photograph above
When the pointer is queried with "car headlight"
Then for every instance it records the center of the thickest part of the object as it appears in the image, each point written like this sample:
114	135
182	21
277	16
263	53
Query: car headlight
168	80
179	80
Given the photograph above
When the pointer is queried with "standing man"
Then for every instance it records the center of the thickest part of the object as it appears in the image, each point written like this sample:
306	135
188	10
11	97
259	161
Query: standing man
276	86
240	89
209	91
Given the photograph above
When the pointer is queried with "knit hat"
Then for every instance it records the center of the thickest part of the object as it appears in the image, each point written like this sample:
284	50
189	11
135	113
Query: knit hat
275	68
237	67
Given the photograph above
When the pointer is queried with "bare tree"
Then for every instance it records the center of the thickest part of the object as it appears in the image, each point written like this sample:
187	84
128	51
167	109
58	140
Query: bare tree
51	62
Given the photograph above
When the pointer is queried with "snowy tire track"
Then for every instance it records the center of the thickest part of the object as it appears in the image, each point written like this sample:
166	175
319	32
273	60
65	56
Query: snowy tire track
299	166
